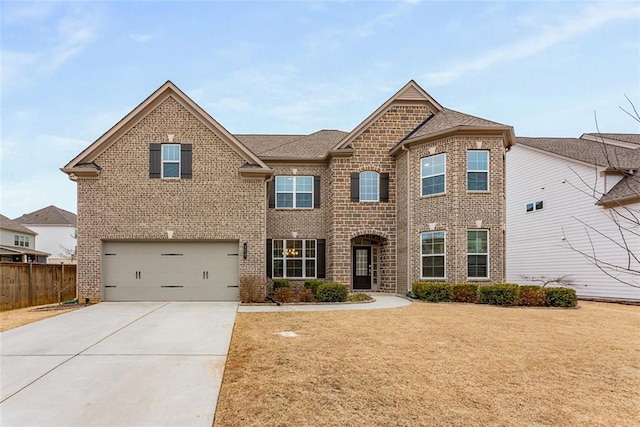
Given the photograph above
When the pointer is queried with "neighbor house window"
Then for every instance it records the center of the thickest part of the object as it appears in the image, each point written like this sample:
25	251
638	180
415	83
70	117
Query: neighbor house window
432	254
539	205
478	254
433	174
171	161
369	187
294	258
294	192
477	170
21	241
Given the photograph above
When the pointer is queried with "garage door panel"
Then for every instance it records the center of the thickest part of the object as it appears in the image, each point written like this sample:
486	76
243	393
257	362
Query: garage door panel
175	271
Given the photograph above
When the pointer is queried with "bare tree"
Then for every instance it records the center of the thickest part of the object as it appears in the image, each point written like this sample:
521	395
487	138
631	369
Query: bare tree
625	218
550	280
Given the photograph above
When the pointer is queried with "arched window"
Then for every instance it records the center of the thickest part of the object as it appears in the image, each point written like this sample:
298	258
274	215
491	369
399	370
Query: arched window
369	186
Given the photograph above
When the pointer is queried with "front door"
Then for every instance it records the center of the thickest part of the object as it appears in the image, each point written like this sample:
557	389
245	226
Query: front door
361	267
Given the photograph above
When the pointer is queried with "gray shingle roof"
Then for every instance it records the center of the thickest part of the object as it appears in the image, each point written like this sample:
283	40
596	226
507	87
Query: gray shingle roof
314	146
448	119
51	215
633	138
584	150
627	188
9	224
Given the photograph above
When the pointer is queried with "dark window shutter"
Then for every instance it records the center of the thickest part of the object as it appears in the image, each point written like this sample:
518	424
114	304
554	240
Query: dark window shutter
355	187
316	191
384	187
271	188
185	161
269	257
321	259
155	160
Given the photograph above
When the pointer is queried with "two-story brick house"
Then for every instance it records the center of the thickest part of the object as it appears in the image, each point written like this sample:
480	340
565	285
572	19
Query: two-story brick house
171	206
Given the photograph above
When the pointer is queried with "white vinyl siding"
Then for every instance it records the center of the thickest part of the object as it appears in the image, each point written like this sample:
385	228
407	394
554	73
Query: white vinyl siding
534	242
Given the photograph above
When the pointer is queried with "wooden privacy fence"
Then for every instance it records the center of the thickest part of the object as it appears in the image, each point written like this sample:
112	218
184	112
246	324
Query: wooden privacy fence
26	285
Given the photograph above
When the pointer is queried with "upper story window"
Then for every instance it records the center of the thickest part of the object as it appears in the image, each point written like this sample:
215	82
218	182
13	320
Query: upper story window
294	192
477	170
433	174
171	161
21	241
539	205
478	254
369	186
432	255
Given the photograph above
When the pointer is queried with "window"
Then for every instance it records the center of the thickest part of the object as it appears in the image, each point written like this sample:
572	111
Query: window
477	170
433	255
478	254
294	258
294	192
433	174
369	187
171	161
21	241
539	205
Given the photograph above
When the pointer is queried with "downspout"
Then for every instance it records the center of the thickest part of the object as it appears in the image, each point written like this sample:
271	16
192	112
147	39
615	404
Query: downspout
408	217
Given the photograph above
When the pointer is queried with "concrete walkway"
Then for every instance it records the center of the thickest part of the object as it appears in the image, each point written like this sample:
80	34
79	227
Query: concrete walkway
117	364
381	301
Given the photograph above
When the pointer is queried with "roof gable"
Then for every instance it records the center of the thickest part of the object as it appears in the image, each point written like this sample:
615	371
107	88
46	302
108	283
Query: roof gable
147	106
409	93
9	224
51	215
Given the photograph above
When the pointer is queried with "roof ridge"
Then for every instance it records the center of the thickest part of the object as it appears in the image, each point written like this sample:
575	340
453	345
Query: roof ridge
471	115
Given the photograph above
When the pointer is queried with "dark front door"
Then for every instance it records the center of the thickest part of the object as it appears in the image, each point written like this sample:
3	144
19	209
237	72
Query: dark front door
361	267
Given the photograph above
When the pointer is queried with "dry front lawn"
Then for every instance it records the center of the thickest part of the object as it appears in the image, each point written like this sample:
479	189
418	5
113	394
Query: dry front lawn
435	364
10	319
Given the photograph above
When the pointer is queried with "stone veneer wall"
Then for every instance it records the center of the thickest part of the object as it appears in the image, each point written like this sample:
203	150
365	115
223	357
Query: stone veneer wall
457	210
350	219
125	204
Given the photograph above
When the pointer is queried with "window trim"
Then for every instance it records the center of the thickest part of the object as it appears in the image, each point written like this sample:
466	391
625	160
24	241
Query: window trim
443	255
479	170
422	176
303	258
377	175
534	206
20	241
294	192
163	161
487	254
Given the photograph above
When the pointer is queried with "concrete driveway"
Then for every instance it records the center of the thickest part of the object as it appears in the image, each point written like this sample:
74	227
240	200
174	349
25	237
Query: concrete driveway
117	364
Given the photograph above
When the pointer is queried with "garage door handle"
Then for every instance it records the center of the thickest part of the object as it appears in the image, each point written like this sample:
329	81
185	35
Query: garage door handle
109	286
232	286
205	275
171	286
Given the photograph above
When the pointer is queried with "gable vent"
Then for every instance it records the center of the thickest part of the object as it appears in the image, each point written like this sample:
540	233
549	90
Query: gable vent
410	94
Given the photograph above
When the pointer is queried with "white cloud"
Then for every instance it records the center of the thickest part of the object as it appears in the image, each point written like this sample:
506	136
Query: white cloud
593	17
14	66
142	37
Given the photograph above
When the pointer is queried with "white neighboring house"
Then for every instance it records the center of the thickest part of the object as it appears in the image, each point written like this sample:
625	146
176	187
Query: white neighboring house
564	192
57	232
17	243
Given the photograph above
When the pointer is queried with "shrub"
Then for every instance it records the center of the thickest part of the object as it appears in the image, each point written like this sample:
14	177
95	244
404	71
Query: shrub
313	284
283	295
253	289
500	294
433	291
531	296
331	292
280	283
561	297
306	295
465	292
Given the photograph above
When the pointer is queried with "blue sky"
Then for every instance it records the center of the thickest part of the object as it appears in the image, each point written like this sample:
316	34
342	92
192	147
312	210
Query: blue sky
71	70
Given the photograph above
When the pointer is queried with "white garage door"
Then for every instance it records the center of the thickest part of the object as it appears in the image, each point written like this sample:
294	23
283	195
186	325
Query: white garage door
176	271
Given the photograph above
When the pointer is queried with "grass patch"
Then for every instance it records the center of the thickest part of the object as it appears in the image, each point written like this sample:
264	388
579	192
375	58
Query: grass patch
10	319
437	364
358	297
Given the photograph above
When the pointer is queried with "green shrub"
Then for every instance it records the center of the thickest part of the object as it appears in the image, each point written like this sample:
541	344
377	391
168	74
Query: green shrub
280	283
532	296
561	297
313	285
433	291
331	292
465	292
500	294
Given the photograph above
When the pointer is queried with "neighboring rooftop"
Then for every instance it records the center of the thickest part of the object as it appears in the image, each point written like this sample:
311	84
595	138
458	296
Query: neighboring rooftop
626	189
9	224
632	138
51	215
588	151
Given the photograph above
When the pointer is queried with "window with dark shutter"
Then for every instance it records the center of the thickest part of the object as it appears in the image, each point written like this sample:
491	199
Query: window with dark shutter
271	188
321	258
185	161
355	187
269	257
316	191
384	187
155	160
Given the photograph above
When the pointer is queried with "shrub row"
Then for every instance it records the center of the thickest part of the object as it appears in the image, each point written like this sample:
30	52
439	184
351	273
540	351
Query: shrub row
499	294
327	291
